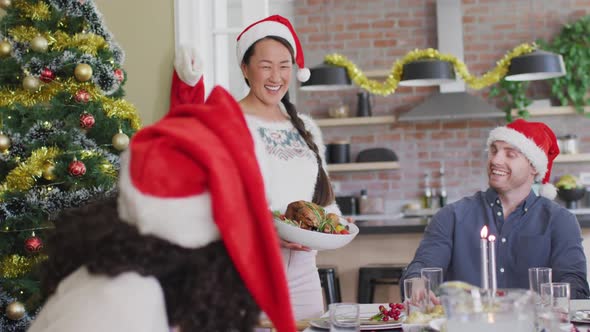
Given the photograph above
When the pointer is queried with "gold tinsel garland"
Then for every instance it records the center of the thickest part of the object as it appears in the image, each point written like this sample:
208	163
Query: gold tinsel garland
391	82
38	11
14	266
23	176
59	40
113	108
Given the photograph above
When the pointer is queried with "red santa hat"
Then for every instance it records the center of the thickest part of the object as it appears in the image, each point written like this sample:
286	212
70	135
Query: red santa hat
187	79
193	178
274	25
537	142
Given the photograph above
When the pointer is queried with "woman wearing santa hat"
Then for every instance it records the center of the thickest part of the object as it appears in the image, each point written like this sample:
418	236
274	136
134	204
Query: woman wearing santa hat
288	145
177	249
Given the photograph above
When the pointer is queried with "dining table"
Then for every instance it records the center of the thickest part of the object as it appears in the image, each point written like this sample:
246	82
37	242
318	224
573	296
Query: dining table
369	309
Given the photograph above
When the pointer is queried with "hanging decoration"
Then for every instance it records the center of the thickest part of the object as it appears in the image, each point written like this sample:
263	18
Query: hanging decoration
31	83
4	142
5	48
120	141
82	96
39	44
76	168
86	121
15	310
33	244
391	82
47	75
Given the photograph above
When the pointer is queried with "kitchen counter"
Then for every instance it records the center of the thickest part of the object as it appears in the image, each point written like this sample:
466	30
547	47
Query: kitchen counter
397	224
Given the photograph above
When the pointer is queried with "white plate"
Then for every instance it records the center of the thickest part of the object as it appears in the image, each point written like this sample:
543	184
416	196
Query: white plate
324	324
316	240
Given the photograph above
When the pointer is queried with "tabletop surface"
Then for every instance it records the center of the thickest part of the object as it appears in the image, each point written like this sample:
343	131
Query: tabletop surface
370	309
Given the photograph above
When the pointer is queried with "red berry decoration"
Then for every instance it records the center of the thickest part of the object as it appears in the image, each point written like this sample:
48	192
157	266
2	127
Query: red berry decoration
77	168
119	75
47	75
82	96
86	121
33	244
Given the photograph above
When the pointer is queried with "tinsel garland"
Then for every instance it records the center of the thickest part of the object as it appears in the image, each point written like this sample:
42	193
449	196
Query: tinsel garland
50	202
59	41
14	266
38	11
113	108
23	176
391	82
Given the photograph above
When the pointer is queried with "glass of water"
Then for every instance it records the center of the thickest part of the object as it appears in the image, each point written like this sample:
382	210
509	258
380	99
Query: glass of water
344	317
556	297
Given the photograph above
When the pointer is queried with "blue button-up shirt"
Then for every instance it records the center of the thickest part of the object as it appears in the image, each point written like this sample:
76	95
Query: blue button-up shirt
538	233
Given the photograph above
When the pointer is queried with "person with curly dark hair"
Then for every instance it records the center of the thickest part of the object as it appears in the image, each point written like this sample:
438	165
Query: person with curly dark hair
189	244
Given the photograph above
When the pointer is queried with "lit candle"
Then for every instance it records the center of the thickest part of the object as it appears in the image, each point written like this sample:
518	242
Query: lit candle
492	258
484	258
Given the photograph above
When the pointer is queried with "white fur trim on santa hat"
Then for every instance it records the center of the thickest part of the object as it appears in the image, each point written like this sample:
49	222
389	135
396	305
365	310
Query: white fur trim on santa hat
527	146
261	30
548	190
188	65
303	74
186	221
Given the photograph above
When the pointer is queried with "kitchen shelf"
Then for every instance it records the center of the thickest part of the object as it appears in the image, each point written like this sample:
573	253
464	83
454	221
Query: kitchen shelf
572	158
359	167
357	121
552	111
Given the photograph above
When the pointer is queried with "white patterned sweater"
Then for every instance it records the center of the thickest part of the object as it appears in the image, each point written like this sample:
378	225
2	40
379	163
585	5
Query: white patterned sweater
289	167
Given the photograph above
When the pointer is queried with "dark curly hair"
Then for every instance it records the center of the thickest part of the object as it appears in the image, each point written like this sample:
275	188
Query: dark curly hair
202	289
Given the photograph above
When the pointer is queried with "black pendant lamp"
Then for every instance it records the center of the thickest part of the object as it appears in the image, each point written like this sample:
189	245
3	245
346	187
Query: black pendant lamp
537	65
326	77
427	72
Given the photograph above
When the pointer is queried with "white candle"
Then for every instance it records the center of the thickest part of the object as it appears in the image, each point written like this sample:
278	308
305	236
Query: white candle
492	257
485	284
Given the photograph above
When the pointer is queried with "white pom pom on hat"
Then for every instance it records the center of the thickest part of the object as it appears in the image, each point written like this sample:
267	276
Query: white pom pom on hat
274	25
538	143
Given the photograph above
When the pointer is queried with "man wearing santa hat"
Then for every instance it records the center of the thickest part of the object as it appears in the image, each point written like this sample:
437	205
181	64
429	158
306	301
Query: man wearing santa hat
531	230
190	245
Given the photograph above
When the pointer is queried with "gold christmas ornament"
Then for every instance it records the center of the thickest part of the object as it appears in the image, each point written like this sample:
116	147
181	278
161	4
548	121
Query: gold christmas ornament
83	72
39	44
4	4
48	171
120	141
15	310
31	83
5	48
4	142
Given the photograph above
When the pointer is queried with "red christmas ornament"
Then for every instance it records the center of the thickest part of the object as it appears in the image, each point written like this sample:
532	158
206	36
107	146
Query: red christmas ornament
119	74
77	168
47	75
82	96
86	121
33	244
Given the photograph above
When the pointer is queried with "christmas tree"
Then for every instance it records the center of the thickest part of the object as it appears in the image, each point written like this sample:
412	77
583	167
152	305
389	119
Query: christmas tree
63	123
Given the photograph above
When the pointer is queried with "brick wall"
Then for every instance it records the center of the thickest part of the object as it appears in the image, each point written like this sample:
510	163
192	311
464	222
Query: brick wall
374	33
